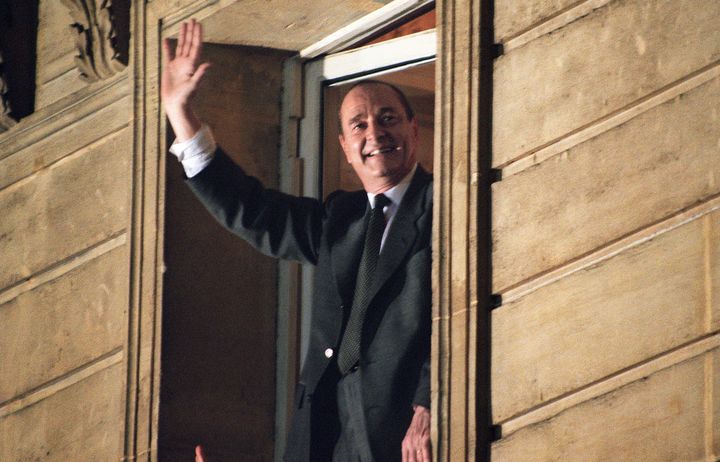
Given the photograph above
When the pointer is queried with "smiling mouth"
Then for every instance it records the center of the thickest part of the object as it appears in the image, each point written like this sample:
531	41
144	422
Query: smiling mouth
377	152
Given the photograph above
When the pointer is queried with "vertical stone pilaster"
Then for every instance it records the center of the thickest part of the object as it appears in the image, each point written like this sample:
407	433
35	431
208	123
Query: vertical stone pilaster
143	320
460	358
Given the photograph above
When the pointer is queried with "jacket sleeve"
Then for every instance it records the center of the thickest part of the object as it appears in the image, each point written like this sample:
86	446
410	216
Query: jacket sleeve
275	223
422	392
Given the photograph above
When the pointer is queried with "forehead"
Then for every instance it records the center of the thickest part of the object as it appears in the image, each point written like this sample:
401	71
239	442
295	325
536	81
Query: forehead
369	99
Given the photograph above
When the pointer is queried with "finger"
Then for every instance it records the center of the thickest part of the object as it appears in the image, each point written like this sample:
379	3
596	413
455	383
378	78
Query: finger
181	40
413	455
199	454
410	452
405	452
196	45
200	72
188	37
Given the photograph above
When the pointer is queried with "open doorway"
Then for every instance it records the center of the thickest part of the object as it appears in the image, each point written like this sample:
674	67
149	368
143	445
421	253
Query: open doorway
318	166
219	294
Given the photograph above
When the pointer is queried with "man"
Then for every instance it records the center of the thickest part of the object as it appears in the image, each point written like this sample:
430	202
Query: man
364	392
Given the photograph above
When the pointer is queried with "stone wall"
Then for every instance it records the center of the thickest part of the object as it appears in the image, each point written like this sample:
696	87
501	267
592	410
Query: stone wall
606	231
64	286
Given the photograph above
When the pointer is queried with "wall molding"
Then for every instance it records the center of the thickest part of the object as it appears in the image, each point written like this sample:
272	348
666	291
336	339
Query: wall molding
59	384
98	32
557	21
611	249
62	114
460	359
611	383
61	268
610	121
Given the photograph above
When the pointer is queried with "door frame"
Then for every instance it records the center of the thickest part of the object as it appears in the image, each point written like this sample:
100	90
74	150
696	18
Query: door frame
301	174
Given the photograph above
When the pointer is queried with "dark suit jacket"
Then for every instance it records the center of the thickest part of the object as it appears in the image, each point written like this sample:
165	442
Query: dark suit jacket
396	335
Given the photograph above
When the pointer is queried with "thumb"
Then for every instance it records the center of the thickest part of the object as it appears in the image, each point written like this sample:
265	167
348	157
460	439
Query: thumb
199	454
200	72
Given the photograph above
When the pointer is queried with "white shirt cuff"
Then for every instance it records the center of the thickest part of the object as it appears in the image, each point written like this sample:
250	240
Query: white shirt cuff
196	153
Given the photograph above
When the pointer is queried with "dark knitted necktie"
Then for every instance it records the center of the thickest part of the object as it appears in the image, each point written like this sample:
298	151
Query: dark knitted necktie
349	353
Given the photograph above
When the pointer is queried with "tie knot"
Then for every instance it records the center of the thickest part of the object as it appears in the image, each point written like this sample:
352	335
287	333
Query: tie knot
381	201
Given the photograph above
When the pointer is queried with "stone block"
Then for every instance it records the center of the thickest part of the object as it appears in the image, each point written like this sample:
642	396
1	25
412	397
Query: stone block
598	64
64	209
73	320
657	418
514	17
662	161
82	422
55	54
32	155
63	85
592	323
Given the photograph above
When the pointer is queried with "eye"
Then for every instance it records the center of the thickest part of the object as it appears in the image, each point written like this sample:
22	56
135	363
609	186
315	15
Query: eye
389	119
357	126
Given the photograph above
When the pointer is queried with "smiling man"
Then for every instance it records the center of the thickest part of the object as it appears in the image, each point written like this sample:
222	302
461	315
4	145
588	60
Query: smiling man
364	391
378	134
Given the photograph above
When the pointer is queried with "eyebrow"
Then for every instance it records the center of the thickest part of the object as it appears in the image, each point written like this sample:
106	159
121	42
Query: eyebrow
382	110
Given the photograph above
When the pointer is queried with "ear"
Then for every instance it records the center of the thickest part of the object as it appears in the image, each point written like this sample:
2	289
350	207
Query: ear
344	146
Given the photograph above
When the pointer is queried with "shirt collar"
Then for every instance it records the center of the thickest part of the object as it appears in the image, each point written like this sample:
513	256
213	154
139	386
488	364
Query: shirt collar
396	193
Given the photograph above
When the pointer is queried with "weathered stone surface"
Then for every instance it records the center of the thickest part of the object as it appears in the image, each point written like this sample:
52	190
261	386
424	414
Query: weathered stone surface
716	402
55	51
54	90
82	422
666	159
285	28
70	321
713	258
653	419
68	139
64	209
631	307
513	17
55	40
596	65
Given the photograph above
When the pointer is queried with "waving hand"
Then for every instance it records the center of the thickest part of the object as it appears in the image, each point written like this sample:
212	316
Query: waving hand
180	78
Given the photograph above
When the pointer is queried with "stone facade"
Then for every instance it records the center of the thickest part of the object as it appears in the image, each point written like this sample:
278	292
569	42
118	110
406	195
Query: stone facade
605	231
577	193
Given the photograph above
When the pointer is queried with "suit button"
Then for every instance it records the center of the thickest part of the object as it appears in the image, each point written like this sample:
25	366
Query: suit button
329	353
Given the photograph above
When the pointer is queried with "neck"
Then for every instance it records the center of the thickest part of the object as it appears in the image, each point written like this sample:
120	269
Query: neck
381	185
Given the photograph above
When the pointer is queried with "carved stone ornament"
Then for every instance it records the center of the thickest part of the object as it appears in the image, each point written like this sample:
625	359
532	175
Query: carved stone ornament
5	120
98	56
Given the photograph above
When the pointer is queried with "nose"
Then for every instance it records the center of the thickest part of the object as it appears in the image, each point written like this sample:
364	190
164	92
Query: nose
375	131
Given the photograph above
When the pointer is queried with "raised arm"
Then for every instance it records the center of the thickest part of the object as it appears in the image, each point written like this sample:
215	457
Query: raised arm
181	75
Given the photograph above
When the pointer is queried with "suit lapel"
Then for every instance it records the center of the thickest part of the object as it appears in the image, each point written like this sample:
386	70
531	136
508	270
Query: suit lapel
403	231
347	248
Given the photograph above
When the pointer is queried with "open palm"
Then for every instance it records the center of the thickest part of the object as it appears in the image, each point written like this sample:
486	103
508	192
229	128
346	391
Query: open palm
182	71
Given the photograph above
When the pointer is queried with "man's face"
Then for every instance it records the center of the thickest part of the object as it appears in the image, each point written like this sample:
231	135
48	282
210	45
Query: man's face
378	139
